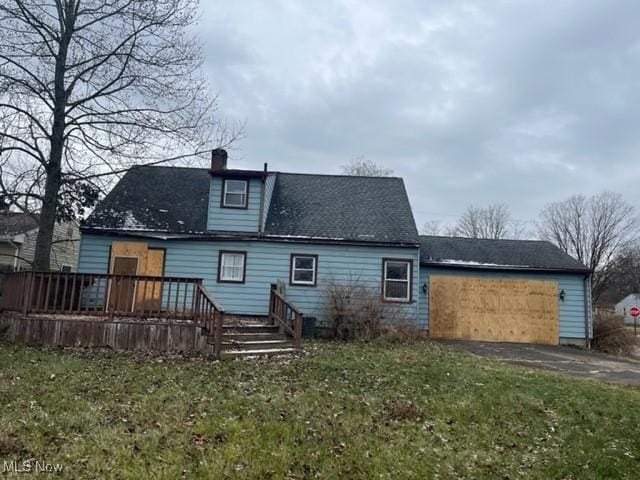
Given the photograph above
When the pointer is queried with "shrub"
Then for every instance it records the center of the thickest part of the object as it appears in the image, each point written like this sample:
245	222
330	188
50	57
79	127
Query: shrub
611	336
355	311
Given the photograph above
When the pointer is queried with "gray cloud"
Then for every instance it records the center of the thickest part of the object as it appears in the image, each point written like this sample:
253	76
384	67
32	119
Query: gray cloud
471	102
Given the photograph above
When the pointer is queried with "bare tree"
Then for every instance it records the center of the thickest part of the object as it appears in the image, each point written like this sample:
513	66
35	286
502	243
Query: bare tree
89	88
438	228
360	166
519	230
623	275
432	227
594	230
490	222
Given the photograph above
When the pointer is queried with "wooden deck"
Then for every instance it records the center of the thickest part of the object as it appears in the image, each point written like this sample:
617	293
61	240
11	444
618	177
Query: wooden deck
137	313
118	333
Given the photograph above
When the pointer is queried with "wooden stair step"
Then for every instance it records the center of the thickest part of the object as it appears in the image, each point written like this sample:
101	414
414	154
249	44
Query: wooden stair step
258	352
246	343
250	338
253	336
255	328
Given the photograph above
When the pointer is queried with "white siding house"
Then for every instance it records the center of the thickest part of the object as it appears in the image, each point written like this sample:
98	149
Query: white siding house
624	305
18	234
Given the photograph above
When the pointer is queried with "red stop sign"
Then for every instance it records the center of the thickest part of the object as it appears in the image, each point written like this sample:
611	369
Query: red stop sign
634	311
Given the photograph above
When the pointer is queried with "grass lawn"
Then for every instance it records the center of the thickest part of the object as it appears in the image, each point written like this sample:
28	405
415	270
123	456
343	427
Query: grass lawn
340	411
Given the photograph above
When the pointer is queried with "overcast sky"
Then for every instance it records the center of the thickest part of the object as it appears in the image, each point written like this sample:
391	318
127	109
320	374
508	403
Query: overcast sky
522	102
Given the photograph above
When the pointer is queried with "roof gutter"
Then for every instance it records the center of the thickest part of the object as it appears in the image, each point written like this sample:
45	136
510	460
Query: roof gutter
212	237
507	268
17	254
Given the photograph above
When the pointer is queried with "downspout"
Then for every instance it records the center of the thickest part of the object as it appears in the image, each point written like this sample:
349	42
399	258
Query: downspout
587	309
262	192
17	254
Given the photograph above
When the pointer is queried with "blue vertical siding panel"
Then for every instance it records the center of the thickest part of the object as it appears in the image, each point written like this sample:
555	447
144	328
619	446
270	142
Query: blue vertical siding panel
571	311
267	262
94	254
269	185
234	219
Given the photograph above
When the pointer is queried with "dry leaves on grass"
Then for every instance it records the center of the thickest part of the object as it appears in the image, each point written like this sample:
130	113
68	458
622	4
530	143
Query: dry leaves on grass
402	410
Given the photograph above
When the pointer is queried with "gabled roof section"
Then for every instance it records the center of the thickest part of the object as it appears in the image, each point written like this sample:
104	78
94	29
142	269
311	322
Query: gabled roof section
239	173
338	207
632	297
496	254
314	207
13	223
156	199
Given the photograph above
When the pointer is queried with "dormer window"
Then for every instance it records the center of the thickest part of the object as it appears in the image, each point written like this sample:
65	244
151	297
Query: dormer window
235	193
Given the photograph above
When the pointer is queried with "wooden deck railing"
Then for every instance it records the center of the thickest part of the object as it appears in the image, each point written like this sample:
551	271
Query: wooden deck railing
211	314
284	314
137	296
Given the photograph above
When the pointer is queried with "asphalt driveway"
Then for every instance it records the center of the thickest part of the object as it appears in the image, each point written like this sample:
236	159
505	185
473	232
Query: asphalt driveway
567	360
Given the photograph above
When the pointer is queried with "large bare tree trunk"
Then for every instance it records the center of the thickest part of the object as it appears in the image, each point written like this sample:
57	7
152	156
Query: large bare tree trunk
53	169
42	258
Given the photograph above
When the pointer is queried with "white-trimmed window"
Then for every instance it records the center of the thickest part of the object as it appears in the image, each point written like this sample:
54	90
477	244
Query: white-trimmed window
396	280
303	269
234	193
232	267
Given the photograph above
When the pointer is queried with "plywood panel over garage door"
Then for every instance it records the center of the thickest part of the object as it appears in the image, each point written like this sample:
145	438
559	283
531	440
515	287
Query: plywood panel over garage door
500	310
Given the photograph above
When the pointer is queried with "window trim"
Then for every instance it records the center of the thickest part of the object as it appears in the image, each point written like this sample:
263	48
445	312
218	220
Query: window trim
315	270
244	265
223	192
383	296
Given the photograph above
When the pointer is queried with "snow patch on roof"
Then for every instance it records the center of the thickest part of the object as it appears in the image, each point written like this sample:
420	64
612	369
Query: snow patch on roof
451	261
305	236
130	222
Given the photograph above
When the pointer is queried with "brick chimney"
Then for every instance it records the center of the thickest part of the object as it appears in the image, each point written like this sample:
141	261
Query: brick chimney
218	159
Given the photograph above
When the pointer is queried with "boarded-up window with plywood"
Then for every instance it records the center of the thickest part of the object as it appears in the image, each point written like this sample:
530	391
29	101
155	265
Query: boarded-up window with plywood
123	286
493	309
149	263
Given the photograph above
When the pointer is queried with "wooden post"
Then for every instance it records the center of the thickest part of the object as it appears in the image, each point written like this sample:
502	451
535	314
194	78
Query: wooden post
218	335
28	286
55	292
196	303
297	341
271	300
113	304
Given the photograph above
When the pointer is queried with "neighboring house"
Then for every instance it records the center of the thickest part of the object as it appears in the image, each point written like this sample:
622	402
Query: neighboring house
623	306
243	231
18	233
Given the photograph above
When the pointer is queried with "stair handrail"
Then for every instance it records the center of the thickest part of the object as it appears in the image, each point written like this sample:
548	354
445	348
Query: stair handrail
212	315
280	311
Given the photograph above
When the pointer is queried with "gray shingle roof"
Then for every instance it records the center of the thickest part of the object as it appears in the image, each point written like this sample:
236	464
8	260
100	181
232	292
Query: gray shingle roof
175	200
161	199
491	254
373	209
12	223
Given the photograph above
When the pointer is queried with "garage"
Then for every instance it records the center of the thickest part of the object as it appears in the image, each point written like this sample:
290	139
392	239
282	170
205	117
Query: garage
493	309
504	291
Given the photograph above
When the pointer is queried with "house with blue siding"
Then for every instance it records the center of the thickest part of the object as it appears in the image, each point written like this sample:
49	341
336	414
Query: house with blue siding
245	231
